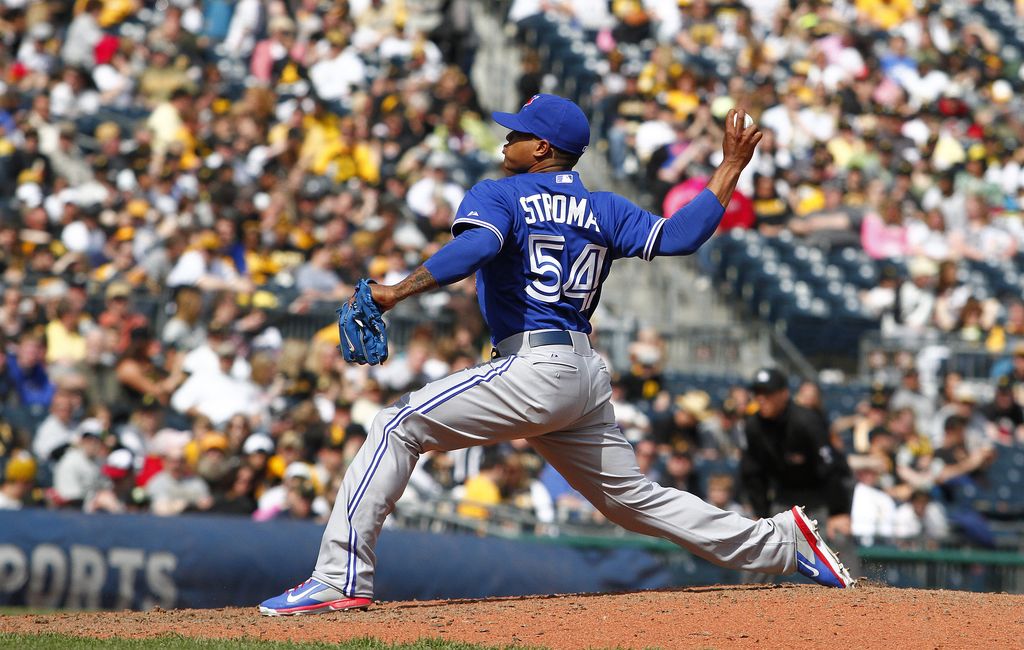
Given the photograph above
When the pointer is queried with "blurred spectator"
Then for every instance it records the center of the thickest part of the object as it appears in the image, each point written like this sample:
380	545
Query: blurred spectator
955	464
78	479
647	359
27	370
808	395
522	489
683	431
1005	416
119	468
185	330
140	375
873	511
484	489
910	395
19	479
175	488
275	500
648	460
57	431
920	522
721	494
964	405
299	500
216	394
679	473
65	344
239	498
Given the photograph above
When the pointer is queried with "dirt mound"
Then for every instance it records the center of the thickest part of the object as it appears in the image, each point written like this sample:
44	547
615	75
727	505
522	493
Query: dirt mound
784	616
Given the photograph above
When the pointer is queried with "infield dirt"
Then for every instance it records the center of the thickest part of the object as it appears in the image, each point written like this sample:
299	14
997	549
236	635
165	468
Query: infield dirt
784	616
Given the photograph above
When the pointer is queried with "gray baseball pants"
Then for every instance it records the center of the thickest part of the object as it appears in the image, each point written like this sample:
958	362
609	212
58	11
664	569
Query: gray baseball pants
557	397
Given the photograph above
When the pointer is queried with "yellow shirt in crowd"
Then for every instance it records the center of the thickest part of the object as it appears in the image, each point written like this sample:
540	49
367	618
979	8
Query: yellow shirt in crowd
480	493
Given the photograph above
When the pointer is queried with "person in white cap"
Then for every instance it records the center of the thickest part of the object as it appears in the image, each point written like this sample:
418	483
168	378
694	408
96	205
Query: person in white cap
77	478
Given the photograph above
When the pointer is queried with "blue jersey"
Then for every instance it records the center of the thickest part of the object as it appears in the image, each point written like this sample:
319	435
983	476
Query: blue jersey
557	242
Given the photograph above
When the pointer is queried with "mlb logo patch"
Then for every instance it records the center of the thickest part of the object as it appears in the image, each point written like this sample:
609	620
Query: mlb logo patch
563	178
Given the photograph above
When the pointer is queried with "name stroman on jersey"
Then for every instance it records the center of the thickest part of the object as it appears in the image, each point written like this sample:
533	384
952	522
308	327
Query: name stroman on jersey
558	208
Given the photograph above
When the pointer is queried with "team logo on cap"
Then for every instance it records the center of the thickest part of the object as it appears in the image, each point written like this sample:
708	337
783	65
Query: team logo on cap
530	101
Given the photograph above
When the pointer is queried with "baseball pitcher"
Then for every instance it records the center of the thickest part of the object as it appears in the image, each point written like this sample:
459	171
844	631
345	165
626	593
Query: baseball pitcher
541	245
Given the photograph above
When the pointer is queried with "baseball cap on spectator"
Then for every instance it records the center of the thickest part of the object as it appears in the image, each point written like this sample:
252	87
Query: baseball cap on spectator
298	469
878	400
548	117
441	160
119	464
695	402
90	427
226	349
30	194
20	469
878	432
108	131
355	430
105	49
258	443
1004	383
291	440
118	290
137	208
965	393
208	241
281	24
171	442
768	380
51	289
41	31
922	267
211	441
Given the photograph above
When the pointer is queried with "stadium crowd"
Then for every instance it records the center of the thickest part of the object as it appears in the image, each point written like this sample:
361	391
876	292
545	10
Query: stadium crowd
180	180
890	127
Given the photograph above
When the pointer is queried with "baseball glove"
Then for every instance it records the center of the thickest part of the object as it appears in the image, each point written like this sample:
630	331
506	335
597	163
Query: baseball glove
364	337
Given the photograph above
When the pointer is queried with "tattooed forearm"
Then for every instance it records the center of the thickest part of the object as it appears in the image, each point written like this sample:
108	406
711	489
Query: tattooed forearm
418	281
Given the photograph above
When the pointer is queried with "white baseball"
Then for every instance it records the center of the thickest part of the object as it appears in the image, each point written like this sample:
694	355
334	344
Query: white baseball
747	120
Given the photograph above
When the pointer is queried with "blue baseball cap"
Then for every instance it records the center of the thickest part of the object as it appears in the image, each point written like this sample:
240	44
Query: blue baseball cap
555	119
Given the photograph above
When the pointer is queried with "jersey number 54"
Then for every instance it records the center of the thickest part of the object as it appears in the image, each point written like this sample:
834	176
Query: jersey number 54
584	273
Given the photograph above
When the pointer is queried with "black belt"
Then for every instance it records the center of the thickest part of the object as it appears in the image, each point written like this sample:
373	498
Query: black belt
557	337
538	339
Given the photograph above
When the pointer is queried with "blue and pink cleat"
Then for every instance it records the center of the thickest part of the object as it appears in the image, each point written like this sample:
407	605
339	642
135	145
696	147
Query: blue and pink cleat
814	558
311	597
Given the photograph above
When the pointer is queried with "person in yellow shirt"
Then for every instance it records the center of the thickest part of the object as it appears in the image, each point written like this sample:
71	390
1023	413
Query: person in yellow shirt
484	490
886	14
683	98
64	342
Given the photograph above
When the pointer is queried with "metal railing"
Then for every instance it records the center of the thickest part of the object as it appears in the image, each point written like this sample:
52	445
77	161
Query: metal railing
971	360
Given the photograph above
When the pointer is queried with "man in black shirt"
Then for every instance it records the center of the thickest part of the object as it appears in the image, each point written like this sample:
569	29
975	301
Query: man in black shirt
1005	415
788	458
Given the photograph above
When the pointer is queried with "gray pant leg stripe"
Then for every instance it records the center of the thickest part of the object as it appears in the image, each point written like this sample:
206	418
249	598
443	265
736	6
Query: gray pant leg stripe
378	455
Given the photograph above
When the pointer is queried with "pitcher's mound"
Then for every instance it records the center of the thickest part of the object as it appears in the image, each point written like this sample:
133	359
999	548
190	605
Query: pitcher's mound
785	616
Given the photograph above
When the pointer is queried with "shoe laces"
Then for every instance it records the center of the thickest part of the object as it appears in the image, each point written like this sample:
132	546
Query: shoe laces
301	584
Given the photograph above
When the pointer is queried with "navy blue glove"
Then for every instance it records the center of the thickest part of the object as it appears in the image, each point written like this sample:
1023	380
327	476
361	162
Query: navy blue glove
364	337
